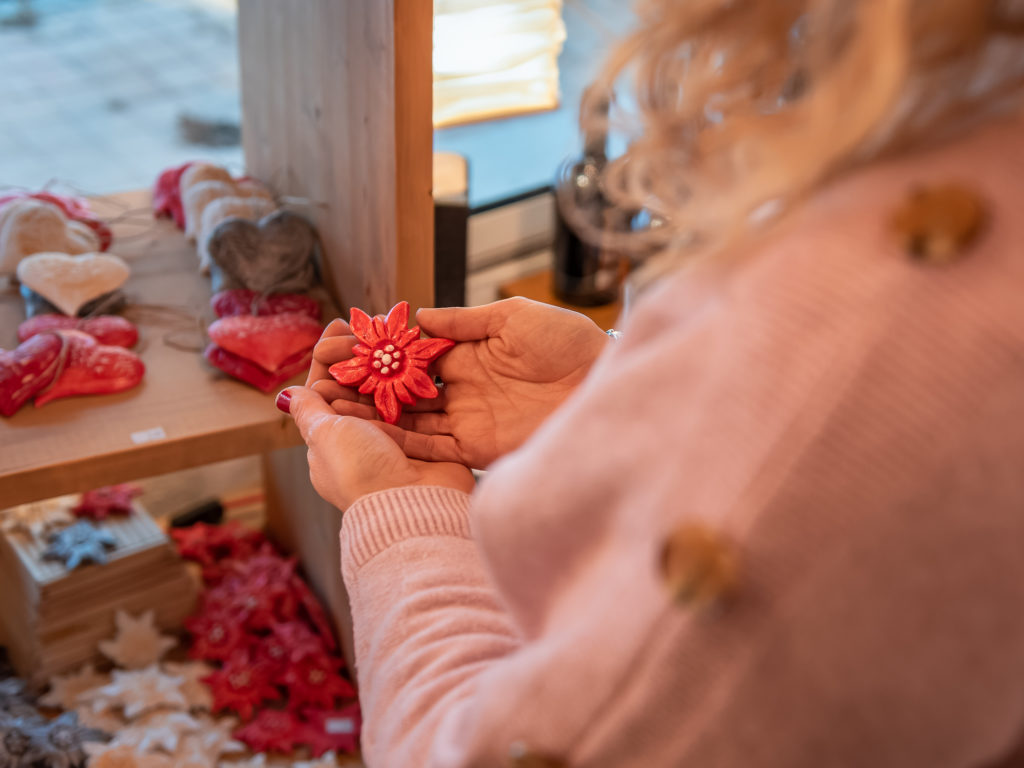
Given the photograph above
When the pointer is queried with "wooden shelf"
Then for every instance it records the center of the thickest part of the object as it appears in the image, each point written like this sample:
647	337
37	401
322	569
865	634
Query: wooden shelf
538	287
184	414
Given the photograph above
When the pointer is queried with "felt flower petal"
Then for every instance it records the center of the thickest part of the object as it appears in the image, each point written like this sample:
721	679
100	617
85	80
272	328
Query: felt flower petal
359	322
379	327
350	372
368	386
429	349
398	318
403	393
419	383
407	337
386	402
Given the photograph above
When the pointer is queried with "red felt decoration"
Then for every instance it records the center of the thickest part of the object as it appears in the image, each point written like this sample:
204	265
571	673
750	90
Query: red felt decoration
242	684
215	636
29	369
314	681
268	341
390	360
108	501
93	369
241	301
106	329
299	641
76	208
276	730
244	370
167	195
207	544
333	729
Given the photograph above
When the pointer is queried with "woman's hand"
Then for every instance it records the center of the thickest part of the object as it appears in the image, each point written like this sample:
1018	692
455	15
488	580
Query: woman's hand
350	457
515	361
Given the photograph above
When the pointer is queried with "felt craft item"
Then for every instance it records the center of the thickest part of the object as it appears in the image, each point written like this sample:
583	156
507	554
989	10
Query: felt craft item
141	690
222	209
273	730
215	636
108	501
197	693
92	368
35	519
277	255
138	642
314	682
69	282
36	305
121	756
60	743
241	685
157	729
207	544
16	744
243	302
390	360
201	184
29	226
69	691
213	739
267	341
79	543
167	195
333	729
76	208
28	369
15	700
106	329
239	368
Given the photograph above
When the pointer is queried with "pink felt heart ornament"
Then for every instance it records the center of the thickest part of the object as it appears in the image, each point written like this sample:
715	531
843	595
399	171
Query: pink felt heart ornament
92	368
70	282
240	301
267	341
29	369
106	329
245	370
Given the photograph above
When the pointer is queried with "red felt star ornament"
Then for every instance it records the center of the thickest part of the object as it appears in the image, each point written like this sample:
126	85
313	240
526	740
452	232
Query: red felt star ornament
299	641
208	544
275	730
390	360
314	682
242	684
108	501
333	729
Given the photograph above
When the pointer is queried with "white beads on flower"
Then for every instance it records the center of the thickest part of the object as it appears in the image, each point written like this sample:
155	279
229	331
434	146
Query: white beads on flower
385	369
386	359
376	363
396	354
389	348
378	354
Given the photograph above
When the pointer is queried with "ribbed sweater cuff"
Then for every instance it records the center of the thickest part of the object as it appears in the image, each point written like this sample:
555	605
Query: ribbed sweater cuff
378	520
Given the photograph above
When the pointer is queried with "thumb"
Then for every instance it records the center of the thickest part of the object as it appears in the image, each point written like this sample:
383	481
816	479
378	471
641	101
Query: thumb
463	323
307	408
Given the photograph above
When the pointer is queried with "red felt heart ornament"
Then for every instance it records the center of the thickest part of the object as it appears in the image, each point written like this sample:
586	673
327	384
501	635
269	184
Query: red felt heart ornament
106	329
244	370
92	368
29	369
267	341
240	301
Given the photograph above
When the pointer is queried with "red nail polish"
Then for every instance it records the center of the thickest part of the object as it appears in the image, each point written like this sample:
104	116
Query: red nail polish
284	401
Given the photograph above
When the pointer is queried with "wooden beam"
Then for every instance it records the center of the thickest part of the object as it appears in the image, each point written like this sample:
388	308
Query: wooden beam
336	109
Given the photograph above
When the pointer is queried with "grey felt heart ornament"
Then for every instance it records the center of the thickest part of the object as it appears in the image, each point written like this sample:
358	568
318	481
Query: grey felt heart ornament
277	255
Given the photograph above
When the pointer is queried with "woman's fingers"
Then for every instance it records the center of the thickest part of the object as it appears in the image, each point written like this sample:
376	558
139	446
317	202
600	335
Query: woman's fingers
333	349
420	446
430	423
337	328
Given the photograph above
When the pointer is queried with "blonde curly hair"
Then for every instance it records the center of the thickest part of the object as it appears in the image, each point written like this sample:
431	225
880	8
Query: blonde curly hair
740	108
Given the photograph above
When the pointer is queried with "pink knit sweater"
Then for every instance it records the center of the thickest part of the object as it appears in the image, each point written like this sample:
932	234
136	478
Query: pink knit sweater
853	420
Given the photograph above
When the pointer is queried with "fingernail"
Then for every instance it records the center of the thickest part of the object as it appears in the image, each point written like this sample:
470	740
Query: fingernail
284	401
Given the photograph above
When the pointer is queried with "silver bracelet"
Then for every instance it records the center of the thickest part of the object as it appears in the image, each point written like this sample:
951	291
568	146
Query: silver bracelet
616	335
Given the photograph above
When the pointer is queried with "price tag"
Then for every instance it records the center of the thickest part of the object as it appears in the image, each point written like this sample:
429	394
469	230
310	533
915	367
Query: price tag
149	435
336	725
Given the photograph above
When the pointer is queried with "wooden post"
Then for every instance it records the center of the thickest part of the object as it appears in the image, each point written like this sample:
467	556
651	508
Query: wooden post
336	109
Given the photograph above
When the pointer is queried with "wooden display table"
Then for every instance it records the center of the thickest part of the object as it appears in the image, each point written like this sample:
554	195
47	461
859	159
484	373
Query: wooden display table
538	287
184	414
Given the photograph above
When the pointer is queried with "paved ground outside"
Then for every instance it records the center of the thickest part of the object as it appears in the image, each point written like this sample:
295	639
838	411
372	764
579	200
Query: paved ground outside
93	90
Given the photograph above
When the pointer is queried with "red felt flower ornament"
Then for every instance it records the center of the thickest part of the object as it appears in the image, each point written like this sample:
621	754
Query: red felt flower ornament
215	636
275	730
242	684
314	681
335	729
390	360
108	501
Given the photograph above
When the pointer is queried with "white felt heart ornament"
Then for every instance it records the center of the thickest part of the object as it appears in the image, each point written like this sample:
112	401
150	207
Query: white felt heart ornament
30	226
202	183
69	282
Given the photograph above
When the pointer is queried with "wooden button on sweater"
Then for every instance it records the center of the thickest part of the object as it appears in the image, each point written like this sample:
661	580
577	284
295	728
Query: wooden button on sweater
698	565
938	224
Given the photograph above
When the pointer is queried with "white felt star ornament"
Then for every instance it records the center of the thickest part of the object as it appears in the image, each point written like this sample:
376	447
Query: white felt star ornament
140	691
120	756
138	642
36	519
196	691
68	691
157	730
213	739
